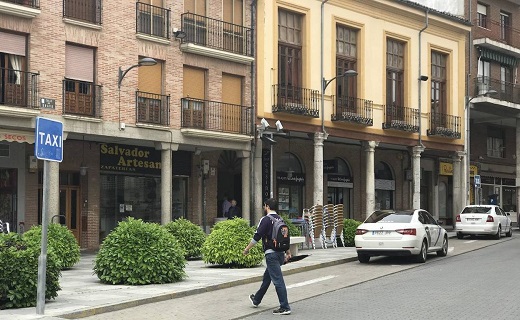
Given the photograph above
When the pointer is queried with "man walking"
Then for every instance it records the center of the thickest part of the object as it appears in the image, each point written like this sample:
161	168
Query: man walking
274	260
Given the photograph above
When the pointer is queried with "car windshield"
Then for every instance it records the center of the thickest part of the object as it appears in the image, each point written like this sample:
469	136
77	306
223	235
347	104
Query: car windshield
390	217
477	210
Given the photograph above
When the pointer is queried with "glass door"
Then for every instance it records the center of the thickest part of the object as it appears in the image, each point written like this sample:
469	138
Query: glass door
70	210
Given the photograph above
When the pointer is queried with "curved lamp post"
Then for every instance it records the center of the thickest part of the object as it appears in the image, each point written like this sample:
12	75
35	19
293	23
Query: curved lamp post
144	62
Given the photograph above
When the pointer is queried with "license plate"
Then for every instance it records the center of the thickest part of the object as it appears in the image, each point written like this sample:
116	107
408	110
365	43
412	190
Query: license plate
472	219
380	233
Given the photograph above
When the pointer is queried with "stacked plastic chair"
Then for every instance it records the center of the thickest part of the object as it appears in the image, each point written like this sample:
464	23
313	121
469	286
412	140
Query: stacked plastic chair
338	225
328	224
316	229
4	227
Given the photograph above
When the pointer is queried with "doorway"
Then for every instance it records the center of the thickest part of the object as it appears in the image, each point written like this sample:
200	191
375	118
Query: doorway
70	209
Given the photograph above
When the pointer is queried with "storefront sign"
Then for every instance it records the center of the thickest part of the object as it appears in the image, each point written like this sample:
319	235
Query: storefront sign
446	169
131	159
330	166
295	178
266	173
339	181
16	136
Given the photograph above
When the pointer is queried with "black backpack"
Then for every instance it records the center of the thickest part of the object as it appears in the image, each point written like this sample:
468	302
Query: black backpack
281	239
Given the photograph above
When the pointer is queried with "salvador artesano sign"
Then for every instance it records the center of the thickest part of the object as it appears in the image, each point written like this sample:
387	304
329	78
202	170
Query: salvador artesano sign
130	159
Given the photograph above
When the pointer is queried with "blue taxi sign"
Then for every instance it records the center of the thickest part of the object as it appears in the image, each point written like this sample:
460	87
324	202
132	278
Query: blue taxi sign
48	140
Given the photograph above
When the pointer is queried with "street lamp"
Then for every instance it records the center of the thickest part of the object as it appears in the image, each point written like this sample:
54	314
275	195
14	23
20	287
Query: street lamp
144	62
267	137
467	141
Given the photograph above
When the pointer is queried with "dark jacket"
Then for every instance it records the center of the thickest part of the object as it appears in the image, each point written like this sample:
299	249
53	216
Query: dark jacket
234	212
264	231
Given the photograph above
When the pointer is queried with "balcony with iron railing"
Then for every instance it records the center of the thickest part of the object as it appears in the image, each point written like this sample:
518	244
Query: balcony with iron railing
215	116
444	125
505	91
216	34
88	11
81	98
22	8
401	118
495	30
152	108
296	100
18	88
152	20
353	110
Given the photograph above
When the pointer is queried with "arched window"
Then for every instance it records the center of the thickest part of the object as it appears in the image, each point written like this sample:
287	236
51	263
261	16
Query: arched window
385	186
290	181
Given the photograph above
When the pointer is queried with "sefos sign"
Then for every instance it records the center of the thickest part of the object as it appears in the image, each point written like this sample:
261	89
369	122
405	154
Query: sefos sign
130	159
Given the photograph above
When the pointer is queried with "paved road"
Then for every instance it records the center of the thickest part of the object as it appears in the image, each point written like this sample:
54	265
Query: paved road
480	284
305	290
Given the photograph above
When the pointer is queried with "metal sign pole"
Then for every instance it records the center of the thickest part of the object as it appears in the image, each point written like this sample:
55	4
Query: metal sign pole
42	260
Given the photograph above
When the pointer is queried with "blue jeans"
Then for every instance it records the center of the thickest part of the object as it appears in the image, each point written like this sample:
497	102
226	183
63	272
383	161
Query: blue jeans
273	272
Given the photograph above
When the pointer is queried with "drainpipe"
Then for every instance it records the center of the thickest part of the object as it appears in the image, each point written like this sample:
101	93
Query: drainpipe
252	194
420	79
322	77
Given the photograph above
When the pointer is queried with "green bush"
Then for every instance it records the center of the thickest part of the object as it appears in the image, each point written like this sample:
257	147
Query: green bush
19	273
60	240
138	252
349	231
226	242
294	231
189	235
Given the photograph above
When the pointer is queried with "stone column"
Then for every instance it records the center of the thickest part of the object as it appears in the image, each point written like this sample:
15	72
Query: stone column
416	168
319	137
370	191
457	196
53	205
166	180
246	184
257	184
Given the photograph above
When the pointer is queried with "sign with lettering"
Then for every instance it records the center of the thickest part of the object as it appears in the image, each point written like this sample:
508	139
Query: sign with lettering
446	169
130	159
295	178
49	140
339	181
266	174
46	103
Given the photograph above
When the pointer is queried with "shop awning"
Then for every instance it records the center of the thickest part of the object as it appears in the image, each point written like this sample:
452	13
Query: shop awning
16	136
498	57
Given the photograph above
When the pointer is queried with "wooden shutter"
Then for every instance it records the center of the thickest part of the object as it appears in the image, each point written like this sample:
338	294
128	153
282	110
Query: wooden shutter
150	79
232	100
12	43
194	83
79	63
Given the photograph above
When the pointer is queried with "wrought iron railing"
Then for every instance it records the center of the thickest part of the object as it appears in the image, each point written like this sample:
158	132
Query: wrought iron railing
296	100
81	98
496	31
84	10
351	109
19	88
26	3
505	91
152	108
401	118
152	20
215	116
216	34
444	125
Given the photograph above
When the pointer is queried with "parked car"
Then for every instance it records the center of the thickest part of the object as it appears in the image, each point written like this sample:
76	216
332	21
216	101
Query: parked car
400	233
483	219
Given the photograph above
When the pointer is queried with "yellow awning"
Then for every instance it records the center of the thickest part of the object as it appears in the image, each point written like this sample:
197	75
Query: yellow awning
16	136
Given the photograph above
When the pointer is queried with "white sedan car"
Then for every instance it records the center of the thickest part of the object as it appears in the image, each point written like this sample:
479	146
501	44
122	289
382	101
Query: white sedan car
484	219
400	233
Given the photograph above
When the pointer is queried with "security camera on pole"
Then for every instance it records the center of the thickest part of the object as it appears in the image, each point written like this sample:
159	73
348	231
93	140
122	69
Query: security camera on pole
48	147
267	137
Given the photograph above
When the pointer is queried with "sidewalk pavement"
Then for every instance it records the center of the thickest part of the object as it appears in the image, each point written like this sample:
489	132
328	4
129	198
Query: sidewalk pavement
84	295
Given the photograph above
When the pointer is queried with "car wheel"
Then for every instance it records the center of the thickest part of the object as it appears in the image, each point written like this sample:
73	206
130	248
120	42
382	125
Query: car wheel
444	250
498	234
363	258
460	235
421	257
510	232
